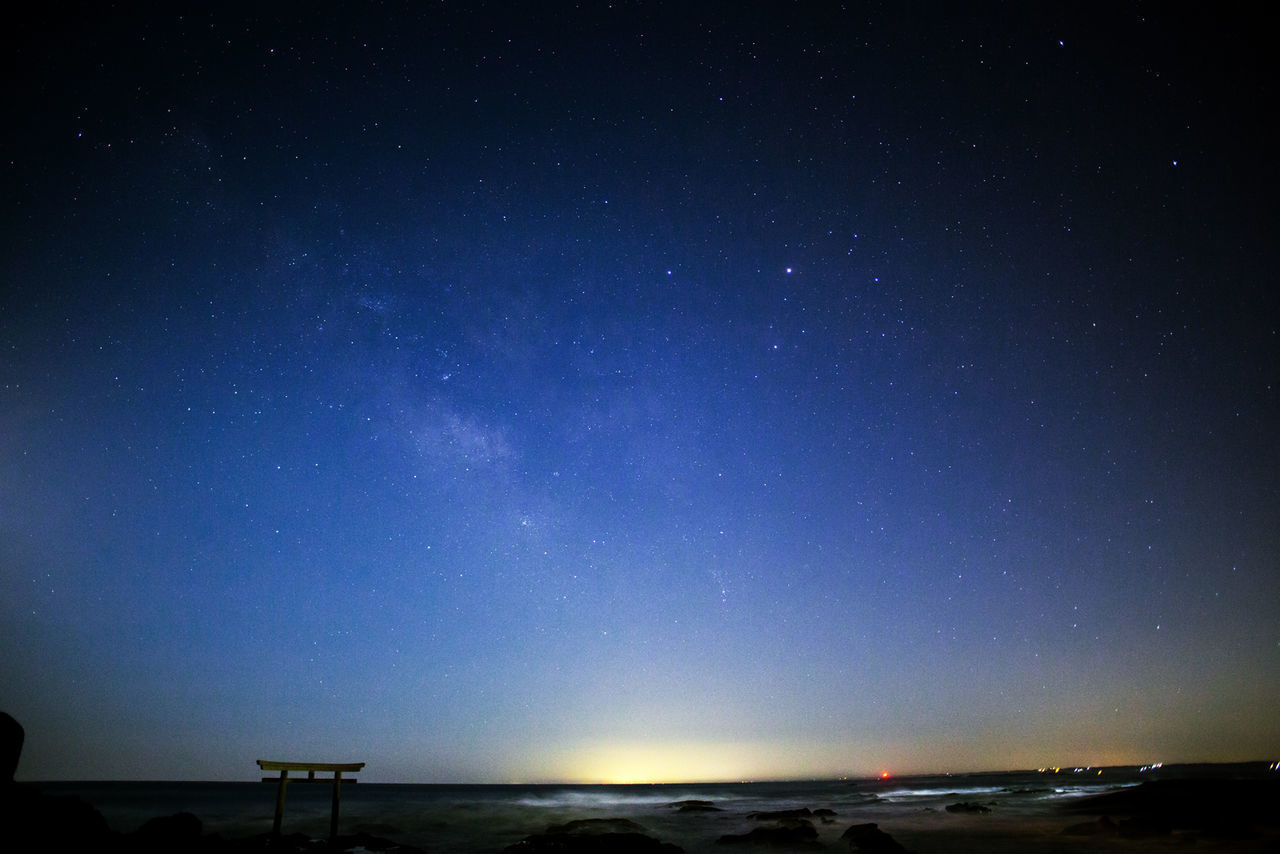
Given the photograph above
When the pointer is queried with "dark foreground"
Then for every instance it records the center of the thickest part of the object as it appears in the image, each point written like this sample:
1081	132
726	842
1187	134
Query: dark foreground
35	821
1182	815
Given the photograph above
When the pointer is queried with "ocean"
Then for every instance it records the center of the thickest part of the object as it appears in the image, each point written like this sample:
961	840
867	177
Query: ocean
1027	809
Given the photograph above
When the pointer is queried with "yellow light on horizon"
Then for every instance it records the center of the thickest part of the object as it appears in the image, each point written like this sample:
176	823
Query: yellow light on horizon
660	764
670	762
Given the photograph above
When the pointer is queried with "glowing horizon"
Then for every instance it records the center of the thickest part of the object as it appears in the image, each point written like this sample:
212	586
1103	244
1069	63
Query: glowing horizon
785	392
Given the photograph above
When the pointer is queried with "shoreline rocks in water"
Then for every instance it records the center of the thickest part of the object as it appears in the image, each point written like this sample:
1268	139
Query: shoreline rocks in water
789	832
779	815
1229	809
789	828
694	806
35	821
593	836
870	839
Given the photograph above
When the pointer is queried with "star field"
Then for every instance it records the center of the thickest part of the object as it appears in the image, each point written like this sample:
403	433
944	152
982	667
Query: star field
494	394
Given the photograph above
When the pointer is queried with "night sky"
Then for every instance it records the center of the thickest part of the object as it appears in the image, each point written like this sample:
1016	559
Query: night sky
639	391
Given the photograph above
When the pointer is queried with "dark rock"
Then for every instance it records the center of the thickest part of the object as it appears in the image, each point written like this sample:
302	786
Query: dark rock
592	843
374	828
286	843
300	843
593	836
695	806
584	826
1230	808
369	842
1102	827
177	829
11	737
824	813
968	806
30	819
777	815
1145	827
792	833
869	838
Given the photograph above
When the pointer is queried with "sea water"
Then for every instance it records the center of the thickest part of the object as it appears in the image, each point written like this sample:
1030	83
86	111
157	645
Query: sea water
470	819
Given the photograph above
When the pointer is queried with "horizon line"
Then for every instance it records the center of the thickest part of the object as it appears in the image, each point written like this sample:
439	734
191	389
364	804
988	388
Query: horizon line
884	777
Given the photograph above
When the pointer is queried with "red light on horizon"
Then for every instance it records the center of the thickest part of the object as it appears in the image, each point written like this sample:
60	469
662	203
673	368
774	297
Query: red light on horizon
884	775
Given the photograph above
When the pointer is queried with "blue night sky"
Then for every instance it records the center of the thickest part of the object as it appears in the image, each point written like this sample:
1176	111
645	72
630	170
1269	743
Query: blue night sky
640	391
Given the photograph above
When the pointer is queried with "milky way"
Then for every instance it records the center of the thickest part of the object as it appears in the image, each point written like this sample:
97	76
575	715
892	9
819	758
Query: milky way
638	393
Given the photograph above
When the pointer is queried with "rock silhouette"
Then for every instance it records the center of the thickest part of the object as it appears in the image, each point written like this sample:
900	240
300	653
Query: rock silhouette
870	839
593	836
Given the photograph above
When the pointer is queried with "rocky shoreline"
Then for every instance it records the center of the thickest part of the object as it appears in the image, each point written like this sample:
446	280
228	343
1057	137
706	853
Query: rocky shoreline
1220	814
